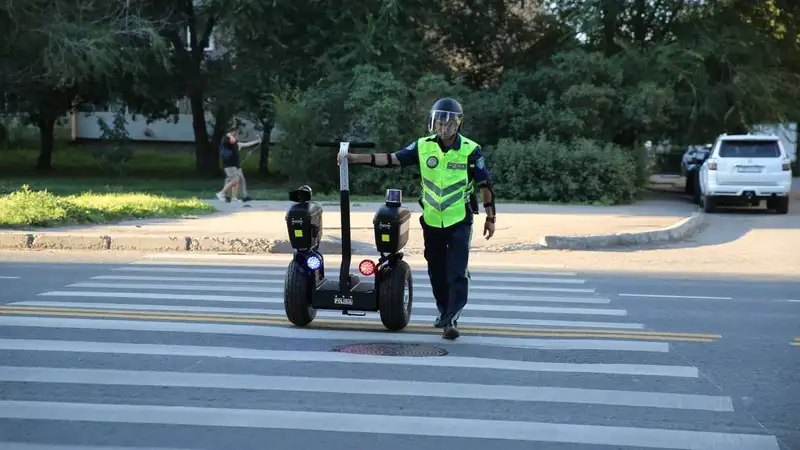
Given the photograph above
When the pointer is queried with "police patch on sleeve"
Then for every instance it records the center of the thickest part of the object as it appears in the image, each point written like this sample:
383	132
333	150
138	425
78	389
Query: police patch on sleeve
480	163
411	146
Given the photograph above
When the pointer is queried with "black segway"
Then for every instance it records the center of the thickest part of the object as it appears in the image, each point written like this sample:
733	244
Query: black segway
386	286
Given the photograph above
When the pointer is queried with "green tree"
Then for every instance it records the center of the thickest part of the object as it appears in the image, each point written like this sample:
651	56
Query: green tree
58	53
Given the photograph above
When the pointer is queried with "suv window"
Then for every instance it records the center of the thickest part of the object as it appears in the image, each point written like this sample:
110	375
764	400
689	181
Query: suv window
749	149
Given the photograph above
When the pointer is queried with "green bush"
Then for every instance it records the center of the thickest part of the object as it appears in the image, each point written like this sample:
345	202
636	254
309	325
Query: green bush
580	171
371	105
41	208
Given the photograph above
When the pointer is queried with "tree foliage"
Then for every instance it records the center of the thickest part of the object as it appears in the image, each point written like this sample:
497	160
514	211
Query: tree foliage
58	53
575	81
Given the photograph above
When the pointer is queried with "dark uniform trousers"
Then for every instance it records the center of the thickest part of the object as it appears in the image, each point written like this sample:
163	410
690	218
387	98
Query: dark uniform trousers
447	254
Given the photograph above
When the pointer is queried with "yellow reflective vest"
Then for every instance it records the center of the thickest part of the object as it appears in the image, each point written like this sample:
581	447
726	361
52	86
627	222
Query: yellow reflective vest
446	186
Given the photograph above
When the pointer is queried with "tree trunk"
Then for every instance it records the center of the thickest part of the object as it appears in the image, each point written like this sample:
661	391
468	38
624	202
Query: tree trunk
610	11
640	25
46	126
263	156
205	156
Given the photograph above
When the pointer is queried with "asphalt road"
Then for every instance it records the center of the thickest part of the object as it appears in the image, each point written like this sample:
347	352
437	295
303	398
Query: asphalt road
197	354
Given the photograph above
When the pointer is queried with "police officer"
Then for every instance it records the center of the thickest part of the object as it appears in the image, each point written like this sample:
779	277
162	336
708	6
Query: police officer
453	169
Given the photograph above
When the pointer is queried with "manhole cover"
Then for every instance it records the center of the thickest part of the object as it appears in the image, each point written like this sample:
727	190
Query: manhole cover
391	349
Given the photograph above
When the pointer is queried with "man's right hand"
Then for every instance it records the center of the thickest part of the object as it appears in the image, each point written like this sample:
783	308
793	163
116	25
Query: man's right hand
350	159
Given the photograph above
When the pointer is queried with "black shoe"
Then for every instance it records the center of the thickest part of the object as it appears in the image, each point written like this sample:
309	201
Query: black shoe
438	323
246	199
450	332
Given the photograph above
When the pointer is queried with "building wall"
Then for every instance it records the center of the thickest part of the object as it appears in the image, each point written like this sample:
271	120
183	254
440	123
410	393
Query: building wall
86	127
787	133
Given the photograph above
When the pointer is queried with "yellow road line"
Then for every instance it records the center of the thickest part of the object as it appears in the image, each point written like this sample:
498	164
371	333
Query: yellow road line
279	319
364	326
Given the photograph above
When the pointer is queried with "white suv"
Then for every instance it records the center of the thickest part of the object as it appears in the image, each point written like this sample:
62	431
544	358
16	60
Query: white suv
746	169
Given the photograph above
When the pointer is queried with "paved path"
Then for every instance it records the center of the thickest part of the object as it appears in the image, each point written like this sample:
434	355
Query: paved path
196	354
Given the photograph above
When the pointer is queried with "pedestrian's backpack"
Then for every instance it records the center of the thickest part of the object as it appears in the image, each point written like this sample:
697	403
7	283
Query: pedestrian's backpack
224	152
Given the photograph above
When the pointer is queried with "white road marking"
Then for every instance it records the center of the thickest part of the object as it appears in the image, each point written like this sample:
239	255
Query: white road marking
516	276
284	332
699	297
366	387
29	446
9	278
231	288
330	260
121	348
280	280
420	305
474	297
330	314
383	424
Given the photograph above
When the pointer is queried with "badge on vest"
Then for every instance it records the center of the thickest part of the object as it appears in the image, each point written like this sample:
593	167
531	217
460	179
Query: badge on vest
432	162
456	166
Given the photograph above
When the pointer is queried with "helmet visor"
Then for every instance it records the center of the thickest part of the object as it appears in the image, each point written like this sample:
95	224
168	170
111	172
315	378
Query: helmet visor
444	123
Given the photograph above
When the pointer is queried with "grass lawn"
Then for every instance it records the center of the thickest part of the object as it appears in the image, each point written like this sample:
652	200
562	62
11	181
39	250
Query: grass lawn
158	170
26	208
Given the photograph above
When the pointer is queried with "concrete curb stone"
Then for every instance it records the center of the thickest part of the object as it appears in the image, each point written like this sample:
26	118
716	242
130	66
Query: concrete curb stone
16	240
66	241
672	233
167	243
149	243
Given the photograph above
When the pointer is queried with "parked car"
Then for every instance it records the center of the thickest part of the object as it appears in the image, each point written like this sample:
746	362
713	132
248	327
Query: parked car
746	169
690	165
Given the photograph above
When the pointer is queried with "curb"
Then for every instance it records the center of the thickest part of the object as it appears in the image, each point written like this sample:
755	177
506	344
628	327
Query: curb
52	240
66	241
672	233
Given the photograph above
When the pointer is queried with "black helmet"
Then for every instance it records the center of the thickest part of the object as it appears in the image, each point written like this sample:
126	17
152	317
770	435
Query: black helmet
445	118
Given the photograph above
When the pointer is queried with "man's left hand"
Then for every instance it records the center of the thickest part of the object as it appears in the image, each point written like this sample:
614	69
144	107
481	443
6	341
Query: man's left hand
488	229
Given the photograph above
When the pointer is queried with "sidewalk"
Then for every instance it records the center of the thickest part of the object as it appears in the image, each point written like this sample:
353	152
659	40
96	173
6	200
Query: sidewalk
260	227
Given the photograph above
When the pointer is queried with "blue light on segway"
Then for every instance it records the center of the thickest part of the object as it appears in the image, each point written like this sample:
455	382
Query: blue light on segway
313	262
394	197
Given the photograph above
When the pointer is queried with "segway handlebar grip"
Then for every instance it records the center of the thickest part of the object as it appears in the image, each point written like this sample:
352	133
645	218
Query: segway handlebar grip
352	144
344	171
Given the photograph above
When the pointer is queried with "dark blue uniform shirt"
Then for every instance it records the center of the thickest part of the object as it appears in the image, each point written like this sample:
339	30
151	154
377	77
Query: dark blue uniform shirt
409	156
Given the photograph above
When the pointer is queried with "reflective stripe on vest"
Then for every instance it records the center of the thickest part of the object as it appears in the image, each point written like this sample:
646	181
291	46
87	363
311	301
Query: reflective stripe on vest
445	181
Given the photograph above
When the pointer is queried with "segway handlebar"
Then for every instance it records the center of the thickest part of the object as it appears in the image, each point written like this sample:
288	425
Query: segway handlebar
344	149
352	144
344	202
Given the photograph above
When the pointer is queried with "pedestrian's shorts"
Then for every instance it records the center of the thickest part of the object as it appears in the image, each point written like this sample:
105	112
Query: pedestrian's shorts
232	173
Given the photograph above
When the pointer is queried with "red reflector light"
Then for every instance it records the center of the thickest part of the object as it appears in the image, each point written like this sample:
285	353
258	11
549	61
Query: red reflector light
366	267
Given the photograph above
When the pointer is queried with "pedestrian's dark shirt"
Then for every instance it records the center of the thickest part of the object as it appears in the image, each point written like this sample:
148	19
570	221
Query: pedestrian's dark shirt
229	151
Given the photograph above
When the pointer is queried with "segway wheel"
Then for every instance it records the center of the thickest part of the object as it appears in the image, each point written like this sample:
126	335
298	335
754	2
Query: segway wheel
395	295
297	290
